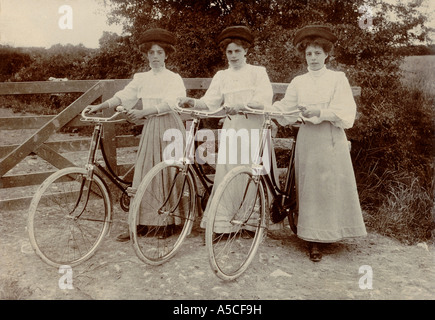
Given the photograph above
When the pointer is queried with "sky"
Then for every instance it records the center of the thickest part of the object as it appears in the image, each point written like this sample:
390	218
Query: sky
43	23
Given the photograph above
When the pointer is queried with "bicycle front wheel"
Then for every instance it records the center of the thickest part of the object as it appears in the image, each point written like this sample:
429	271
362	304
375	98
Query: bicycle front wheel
235	223
164	202
69	217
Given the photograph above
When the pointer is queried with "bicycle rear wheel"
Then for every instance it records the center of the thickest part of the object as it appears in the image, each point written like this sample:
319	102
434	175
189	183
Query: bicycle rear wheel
235	223
166	196
69	217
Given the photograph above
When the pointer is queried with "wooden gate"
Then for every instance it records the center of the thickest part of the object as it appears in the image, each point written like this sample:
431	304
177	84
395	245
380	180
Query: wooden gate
37	143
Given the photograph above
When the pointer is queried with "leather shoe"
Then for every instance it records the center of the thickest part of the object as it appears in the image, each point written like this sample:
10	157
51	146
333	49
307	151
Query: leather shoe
141	231
315	254
247	234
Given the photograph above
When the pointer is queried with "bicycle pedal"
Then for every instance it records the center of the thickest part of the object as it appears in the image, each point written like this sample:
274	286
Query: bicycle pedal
131	191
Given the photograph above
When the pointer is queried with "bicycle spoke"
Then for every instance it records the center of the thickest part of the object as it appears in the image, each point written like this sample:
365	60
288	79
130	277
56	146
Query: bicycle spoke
58	232
237	215
165	201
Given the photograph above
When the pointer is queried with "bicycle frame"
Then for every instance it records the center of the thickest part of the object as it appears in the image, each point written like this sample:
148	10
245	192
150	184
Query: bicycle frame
188	157
92	164
268	180
189	164
239	213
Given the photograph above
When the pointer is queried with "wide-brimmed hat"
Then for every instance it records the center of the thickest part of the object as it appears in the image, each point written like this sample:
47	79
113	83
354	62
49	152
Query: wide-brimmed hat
236	32
314	31
158	35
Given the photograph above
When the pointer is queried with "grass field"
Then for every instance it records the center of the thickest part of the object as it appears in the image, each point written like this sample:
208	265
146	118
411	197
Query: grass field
420	71
408	202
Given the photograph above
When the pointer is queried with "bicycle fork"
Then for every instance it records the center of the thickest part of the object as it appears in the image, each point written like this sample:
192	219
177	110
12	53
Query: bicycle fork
186	160
251	209
86	183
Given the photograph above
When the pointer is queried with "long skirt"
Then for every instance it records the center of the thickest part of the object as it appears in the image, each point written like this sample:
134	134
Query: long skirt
151	152
329	208
238	142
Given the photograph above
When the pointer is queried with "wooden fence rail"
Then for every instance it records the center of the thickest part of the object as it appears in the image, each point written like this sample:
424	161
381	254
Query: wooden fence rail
51	151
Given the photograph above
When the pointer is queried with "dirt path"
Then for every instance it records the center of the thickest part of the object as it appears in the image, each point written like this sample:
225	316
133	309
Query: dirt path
281	269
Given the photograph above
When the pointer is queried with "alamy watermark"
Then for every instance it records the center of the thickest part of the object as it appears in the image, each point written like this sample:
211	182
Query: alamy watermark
366	19
66	19
366	281
240	146
66	280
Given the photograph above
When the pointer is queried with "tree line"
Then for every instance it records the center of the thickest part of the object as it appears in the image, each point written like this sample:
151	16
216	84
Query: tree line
393	137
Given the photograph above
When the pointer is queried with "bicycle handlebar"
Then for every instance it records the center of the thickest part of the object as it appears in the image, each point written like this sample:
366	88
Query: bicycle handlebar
219	113
272	113
119	110
223	112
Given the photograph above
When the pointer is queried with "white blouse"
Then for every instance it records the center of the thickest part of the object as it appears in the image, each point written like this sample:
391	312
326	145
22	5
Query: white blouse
153	88
238	87
326	90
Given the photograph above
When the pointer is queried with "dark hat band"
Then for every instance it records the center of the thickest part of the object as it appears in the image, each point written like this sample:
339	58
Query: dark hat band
236	32
314	31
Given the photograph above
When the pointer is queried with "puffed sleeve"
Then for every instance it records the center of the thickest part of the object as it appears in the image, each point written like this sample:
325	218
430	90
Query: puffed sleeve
288	103
213	97
175	89
263	92
342	108
129	95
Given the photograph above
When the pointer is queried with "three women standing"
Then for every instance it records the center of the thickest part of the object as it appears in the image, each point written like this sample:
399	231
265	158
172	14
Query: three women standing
329	208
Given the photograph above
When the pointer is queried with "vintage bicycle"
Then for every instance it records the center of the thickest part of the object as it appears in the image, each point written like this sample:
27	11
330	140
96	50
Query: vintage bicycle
170	192
71	211
240	205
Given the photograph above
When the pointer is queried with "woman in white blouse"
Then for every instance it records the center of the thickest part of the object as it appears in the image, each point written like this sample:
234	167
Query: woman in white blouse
240	85
159	89
329	208
236	87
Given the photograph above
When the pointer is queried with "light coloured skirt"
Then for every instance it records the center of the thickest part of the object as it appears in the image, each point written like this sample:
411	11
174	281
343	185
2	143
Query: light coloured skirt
329	208
149	154
231	156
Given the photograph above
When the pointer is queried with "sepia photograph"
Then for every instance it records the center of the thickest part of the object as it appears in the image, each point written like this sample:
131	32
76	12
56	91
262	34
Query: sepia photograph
217	156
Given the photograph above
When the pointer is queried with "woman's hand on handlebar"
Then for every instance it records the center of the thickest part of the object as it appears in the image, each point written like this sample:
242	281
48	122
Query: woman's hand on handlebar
308	112
93	108
236	109
239	109
134	115
185	102
255	105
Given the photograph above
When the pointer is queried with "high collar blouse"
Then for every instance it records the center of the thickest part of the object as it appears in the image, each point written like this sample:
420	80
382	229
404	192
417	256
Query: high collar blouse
153	88
235	87
326	90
